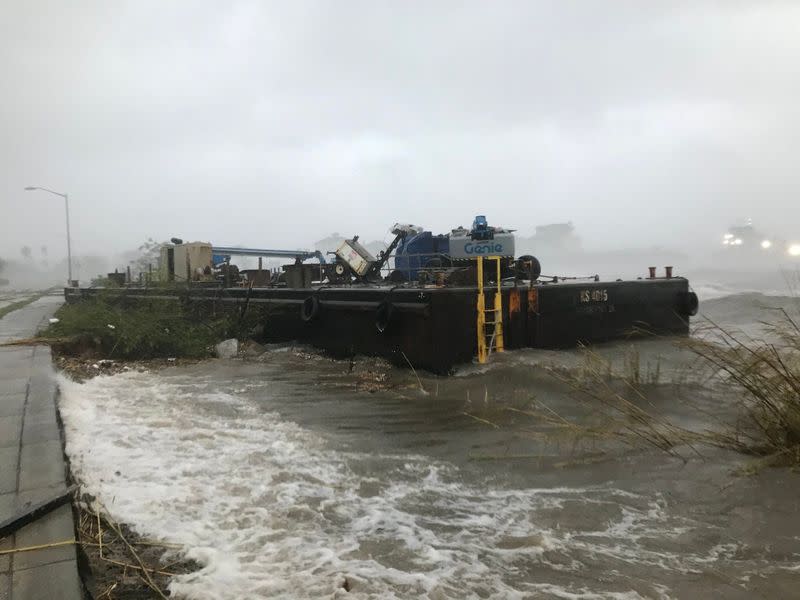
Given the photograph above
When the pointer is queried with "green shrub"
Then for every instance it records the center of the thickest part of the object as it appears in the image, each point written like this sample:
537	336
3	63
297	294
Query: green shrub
142	329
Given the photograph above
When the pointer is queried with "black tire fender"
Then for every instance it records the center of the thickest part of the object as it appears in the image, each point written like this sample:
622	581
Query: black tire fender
688	303
310	308
397	277
383	316
528	265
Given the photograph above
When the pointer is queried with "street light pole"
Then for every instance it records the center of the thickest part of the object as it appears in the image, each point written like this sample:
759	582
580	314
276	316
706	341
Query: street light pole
69	241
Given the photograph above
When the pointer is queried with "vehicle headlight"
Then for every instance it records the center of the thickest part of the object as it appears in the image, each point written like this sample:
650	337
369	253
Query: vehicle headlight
737	242
794	250
766	244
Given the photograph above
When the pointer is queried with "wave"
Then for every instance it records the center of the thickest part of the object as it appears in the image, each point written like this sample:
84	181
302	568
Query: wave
272	510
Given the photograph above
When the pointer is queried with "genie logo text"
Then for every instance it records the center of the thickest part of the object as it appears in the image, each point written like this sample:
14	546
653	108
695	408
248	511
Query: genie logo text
483	248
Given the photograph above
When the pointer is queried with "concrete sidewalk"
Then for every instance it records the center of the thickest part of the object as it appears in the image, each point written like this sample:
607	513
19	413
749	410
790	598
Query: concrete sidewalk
32	466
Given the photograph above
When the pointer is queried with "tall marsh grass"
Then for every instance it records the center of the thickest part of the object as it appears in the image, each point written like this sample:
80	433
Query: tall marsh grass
766	374
758	380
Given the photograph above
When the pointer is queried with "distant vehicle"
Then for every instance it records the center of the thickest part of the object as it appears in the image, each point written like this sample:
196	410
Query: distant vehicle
746	238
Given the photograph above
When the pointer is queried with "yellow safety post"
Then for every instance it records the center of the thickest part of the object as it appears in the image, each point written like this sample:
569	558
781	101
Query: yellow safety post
483	351
498	311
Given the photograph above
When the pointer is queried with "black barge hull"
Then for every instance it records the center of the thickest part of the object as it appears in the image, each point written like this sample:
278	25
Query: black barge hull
435	328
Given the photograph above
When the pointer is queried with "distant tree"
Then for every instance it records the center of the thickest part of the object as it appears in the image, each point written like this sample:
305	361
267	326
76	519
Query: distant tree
26	252
147	254
330	243
2	265
44	250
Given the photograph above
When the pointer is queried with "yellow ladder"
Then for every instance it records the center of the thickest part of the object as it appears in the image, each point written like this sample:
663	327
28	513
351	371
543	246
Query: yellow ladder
492	339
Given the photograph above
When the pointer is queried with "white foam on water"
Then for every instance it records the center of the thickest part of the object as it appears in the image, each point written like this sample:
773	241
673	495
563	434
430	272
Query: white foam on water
712	291
586	594
273	511
715	292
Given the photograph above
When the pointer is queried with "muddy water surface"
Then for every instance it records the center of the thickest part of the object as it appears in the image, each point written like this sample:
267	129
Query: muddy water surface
293	476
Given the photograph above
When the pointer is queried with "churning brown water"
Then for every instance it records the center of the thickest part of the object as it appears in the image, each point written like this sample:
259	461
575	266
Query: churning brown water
288	474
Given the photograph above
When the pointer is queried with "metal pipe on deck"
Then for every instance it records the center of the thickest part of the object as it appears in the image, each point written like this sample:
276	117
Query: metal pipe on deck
270	253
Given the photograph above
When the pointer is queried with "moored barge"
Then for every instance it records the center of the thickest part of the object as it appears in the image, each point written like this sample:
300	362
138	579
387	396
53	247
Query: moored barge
442	301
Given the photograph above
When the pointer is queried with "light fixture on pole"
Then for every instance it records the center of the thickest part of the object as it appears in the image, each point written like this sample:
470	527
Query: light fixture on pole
69	241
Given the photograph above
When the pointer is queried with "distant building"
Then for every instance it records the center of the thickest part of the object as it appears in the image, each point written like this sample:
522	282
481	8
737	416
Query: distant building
557	234
551	239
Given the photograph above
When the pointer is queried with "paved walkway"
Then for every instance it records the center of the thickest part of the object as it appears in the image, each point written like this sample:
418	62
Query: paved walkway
32	466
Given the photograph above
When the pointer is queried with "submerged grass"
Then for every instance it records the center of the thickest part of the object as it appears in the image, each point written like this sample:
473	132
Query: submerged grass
759	378
766	373
621	404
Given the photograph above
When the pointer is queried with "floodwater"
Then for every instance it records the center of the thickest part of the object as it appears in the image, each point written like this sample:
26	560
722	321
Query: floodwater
290	475
9	296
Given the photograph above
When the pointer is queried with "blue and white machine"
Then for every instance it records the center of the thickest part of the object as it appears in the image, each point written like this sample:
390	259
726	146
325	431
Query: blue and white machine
424	249
481	240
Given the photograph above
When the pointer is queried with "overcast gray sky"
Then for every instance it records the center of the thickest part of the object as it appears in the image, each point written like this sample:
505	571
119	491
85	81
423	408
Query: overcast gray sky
275	123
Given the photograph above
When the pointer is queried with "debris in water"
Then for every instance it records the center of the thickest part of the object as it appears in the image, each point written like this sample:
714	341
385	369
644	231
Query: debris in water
119	560
82	369
227	349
